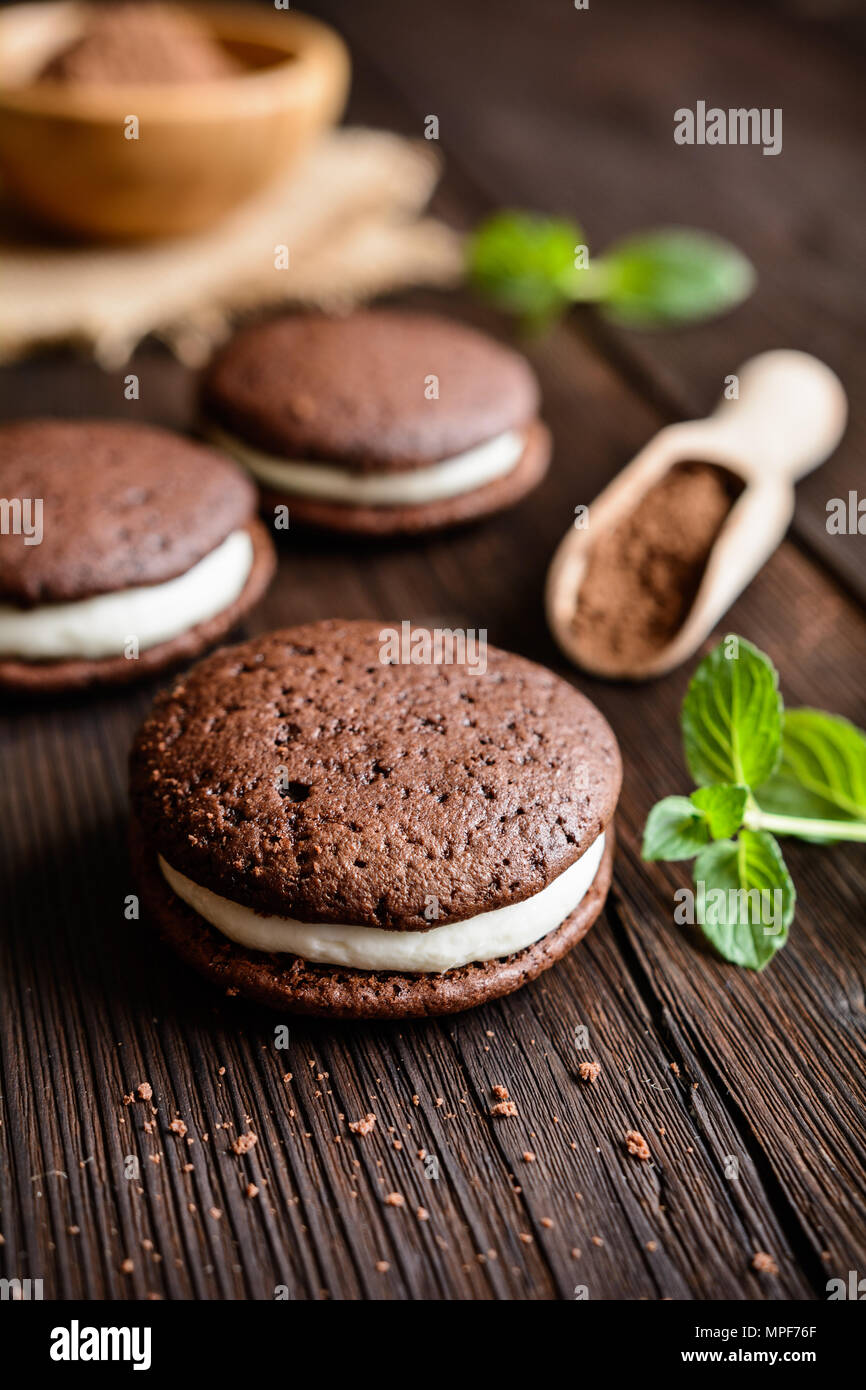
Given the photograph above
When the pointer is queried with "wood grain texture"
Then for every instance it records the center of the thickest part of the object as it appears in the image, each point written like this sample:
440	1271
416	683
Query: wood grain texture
709	1063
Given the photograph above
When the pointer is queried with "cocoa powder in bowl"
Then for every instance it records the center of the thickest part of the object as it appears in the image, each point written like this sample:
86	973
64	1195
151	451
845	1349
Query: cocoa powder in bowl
134	43
642	575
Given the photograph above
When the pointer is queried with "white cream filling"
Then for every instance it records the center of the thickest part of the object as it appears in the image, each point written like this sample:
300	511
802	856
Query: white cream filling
488	936
462	473
103	626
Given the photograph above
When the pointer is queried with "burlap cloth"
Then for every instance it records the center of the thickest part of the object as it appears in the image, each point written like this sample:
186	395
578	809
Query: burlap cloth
349	216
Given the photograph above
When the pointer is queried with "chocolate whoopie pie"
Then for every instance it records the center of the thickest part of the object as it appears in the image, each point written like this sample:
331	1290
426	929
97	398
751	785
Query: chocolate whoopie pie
379	423
127	549
328	830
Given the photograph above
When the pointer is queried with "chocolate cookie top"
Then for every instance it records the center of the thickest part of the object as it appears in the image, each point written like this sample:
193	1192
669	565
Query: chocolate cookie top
303	776
358	391
122	506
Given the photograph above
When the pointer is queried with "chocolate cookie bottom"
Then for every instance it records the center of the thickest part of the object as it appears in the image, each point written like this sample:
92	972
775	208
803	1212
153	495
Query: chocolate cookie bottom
49	677
483	501
330	991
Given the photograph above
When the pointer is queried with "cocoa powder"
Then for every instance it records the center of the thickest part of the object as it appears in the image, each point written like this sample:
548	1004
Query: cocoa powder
643	574
137	43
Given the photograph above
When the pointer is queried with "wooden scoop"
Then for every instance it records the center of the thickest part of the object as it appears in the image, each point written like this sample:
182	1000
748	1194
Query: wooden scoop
789	416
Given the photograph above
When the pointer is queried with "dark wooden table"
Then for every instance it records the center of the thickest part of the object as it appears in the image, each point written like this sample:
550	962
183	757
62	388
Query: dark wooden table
542	106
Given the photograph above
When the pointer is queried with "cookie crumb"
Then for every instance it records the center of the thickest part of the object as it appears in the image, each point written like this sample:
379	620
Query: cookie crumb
382	1266
589	1071
145	1090
525	1237
675	1069
252	1190
637	1145
529	1156
500	1092
245	1142
503	1107
127	1266
395	1199
764	1263
178	1127
423	1214
364	1126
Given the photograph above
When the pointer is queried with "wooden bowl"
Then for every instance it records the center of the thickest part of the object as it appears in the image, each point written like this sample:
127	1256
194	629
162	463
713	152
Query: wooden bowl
202	148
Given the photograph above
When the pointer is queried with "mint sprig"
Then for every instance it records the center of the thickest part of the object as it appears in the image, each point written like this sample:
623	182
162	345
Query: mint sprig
762	771
822	771
536	267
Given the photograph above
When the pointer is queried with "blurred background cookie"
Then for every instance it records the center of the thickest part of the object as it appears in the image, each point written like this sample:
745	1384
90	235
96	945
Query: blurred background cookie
378	423
125	549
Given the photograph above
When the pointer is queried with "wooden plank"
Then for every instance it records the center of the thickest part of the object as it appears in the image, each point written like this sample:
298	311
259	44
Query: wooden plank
786	1046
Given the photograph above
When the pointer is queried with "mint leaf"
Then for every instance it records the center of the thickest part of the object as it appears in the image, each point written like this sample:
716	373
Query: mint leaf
675	829
672	275
760	769
681	826
822	774
723	807
525	264
744	898
732	716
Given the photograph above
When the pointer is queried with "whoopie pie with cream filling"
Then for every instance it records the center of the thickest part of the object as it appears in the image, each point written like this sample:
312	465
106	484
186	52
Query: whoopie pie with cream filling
125	549
379	423
330	829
